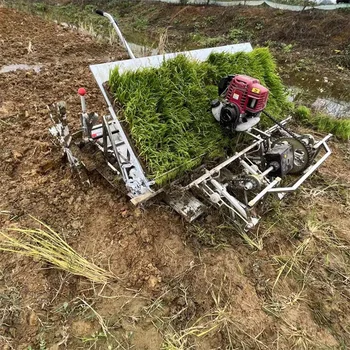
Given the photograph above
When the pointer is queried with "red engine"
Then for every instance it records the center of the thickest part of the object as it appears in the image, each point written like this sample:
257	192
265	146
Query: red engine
247	93
242	99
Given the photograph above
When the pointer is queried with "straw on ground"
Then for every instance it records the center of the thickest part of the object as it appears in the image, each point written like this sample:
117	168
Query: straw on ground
47	245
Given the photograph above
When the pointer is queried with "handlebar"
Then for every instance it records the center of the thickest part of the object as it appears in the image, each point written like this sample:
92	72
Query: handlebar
99	12
115	25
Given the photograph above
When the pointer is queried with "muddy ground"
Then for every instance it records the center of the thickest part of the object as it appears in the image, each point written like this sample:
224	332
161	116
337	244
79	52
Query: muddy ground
178	286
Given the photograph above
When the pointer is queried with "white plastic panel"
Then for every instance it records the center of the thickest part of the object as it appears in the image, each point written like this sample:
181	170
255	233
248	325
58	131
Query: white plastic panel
101	71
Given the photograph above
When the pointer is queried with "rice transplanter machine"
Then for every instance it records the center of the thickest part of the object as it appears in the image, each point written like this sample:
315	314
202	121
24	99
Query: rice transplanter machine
276	161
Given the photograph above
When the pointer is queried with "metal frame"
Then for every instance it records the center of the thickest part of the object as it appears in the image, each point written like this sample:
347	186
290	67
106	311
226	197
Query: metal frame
215	190
112	141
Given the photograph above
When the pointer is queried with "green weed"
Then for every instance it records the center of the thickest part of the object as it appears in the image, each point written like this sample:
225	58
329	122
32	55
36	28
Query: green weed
42	345
287	48
238	35
40	7
140	24
340	128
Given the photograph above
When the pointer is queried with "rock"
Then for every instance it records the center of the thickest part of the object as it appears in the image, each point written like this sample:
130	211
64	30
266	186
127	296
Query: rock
23	347
33	319
137	212
76	224
145	236
152	282
12	332
209	218
125	213
17	155
181	301
82	328
25	202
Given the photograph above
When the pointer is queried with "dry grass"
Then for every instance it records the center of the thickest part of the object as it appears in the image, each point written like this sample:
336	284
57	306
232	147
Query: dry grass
296	337
163	42
321	245
292	263
321	261
9	304
45	244
279	303
221	321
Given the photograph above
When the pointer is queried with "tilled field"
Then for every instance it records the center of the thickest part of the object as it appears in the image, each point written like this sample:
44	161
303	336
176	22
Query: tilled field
177	286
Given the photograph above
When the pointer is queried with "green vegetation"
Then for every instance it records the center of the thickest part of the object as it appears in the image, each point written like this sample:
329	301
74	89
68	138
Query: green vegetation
167	109
340	128
238	35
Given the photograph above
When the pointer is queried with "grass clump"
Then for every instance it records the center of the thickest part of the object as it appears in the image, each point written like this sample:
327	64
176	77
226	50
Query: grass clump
340	128
47	245
167	109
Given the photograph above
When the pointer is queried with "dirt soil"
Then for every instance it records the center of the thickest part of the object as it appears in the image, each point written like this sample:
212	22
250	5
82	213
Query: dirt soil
178	286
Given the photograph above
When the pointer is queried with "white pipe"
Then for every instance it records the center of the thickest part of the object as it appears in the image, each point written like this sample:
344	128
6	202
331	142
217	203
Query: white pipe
236	156
264	191
121	37
83	104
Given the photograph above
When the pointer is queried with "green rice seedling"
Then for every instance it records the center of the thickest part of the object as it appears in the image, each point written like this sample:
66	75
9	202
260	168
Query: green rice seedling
47	245
167	109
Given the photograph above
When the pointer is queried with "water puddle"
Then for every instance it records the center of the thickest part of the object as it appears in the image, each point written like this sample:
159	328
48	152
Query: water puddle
321	93
15	67
294	93
336	109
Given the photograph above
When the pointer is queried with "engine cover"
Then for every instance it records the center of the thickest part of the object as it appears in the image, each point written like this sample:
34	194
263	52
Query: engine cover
242	100
245	92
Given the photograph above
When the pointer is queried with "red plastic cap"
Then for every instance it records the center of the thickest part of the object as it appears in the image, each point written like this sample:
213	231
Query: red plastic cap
81	91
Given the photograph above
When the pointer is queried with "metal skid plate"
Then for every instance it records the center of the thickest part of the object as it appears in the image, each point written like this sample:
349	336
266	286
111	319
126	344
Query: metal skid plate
186	205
